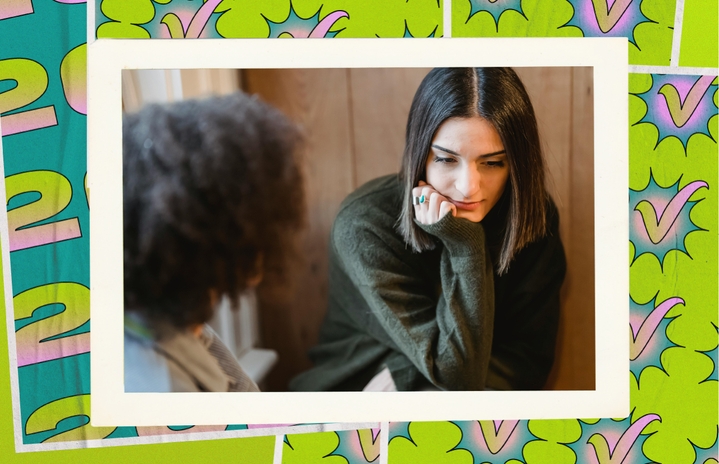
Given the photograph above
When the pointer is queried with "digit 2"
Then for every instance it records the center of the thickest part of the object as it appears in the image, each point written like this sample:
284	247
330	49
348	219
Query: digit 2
55	194
31	83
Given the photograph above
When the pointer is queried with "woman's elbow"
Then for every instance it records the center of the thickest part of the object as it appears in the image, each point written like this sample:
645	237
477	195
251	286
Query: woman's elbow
462	372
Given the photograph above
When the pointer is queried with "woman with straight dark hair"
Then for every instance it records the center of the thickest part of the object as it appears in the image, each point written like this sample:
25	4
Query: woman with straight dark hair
447	275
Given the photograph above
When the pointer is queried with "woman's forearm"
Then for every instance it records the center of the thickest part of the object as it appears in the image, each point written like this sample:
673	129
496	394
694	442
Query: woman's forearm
446	334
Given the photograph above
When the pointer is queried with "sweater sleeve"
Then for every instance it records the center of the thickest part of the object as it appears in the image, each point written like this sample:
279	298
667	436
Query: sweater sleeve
446	333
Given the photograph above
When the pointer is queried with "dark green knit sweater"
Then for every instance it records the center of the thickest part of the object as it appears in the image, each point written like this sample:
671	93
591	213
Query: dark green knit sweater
430	317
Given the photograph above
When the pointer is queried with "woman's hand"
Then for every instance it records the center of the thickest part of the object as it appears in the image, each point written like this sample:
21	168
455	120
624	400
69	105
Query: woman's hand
434	207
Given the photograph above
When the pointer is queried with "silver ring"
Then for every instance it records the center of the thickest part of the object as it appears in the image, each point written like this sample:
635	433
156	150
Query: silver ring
415	201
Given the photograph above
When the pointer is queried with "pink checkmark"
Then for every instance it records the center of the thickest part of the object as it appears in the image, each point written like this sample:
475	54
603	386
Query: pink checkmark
615	454
197	23
608	15
680	111
657	229
323	27
642	334
369	444
496	433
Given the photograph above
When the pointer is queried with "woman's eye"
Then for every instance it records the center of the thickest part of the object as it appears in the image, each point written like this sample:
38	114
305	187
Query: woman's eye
439	159
495	164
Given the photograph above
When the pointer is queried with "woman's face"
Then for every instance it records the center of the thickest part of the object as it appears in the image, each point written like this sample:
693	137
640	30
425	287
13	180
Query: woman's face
468	165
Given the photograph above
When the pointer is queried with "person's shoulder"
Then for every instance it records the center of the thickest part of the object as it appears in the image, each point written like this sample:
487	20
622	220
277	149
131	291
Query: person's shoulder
544	257
551	241
379	198
376	192
549	236
371	210
146	369
551	215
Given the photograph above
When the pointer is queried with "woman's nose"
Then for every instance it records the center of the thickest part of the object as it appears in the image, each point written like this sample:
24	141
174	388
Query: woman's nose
468	182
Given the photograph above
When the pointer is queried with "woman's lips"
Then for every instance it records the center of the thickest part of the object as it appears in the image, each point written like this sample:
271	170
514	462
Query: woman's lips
467	206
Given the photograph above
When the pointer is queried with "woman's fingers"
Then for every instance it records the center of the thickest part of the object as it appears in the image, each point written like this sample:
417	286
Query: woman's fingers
435	201
419	210
447	208
422	210
416	194
429	205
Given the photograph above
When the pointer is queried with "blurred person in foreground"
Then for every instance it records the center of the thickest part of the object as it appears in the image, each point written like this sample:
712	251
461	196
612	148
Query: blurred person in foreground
212	191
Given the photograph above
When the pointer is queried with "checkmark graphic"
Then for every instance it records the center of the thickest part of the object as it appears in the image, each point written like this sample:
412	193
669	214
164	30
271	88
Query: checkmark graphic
497	433
606	454
369	443
680	111
608	16
657	229
197	24
324	26
641	335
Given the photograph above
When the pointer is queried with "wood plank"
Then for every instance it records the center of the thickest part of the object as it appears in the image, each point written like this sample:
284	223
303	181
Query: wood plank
582	247
550	92
201	83
292	308
575	367
380	102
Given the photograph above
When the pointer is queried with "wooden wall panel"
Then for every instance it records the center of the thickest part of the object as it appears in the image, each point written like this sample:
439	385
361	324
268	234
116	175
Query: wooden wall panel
575	368
380	102
201	83
549	90
291	311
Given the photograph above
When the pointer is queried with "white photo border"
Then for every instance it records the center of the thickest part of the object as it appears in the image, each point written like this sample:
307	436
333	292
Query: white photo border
111	406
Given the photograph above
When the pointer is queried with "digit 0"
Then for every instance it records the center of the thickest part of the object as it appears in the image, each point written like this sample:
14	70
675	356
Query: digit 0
55	194
39	341
30	84
48	416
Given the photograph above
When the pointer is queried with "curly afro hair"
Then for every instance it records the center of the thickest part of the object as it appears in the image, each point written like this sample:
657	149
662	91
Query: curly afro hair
212	189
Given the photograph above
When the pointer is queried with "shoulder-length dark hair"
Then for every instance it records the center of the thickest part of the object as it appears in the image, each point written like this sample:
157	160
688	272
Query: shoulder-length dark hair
498	96
212	196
